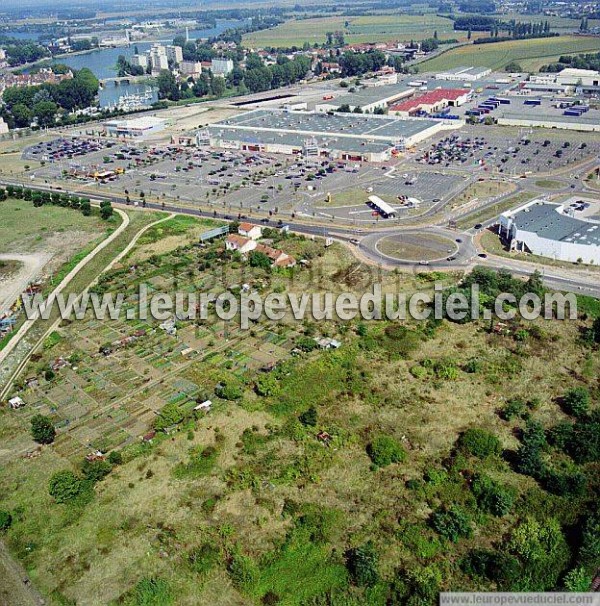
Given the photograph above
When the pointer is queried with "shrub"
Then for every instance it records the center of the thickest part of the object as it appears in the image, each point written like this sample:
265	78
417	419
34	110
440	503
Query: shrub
480	443
513	408
499	567
492	497
65	486
306	343
169	415
42	429
362	563
384	450
589	552
573	484
528	458
5	520
577	580
229	390
115	458
151	592
452	523
446	369
204	558
309	417
576	402
243	571
95	470
543	551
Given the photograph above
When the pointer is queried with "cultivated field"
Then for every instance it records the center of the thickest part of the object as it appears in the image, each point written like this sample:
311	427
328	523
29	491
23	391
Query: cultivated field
530	54
356	29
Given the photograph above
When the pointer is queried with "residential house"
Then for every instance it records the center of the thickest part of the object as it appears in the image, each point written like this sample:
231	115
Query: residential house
238	243
249	230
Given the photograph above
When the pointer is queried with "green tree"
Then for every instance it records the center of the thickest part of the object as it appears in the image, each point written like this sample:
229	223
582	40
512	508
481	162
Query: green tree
42	429
45	112
542	549
167	86
309	417
577	580
106	211
576	402
22	115
218	86
259	259
492	497
95	470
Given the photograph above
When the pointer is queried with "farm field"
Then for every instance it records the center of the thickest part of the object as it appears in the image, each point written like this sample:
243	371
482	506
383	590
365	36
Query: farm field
373	28
530	54
306	459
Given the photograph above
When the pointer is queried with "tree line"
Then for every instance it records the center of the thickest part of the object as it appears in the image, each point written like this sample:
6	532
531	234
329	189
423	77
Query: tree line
43	102
19	52
586	61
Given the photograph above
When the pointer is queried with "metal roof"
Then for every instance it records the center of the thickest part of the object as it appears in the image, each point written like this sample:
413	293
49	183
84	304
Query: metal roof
548	221
367	128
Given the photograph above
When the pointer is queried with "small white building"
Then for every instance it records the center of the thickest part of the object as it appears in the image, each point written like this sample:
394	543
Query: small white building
15	403
204	406
249	230
235	242
191	68
221	66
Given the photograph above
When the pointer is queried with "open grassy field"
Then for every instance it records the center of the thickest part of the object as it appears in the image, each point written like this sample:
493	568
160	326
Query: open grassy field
409	247
24	228
528	53
373	28
489	212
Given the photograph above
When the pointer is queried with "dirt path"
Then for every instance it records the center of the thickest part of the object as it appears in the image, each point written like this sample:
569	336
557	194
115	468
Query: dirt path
25	327
13	285
13	590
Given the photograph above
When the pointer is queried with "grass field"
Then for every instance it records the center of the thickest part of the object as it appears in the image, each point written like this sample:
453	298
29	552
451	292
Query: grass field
409	247
356	29
24	228
494	210
530	54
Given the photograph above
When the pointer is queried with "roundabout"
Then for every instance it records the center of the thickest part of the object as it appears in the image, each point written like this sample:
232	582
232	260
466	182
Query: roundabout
414	247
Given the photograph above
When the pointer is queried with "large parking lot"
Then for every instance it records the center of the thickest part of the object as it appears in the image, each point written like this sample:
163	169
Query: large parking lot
65	148
509	150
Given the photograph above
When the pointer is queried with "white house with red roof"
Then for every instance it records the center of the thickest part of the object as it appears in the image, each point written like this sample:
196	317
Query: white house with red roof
249	230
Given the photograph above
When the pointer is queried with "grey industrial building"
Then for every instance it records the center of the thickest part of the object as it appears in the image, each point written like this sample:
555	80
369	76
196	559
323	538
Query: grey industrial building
341	135
551	230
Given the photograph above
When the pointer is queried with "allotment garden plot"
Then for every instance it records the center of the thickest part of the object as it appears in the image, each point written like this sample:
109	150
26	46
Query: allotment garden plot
103	382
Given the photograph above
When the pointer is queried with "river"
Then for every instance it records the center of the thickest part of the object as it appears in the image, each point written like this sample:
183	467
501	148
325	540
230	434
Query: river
103	61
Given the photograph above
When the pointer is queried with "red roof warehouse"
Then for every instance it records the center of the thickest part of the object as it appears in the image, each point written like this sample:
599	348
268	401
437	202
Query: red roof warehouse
433	101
